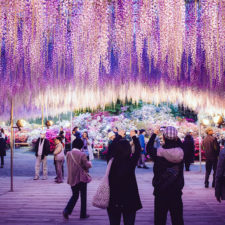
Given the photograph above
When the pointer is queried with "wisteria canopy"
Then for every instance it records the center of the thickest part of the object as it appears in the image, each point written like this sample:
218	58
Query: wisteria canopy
69	54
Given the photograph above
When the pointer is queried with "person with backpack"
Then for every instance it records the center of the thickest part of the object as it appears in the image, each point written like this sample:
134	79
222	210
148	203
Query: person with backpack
168	180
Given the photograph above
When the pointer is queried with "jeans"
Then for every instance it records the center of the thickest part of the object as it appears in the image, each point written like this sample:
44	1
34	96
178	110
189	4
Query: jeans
2	160
59	166
210	164
172	203
115	215
38	164
81	189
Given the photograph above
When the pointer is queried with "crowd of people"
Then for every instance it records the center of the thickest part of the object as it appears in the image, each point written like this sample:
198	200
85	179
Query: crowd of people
170	157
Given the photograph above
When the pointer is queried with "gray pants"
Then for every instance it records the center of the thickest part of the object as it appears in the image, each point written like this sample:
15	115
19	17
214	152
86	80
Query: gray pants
141	160
59	165
44	166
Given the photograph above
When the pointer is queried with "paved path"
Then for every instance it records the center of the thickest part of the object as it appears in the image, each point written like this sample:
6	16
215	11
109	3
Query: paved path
41	202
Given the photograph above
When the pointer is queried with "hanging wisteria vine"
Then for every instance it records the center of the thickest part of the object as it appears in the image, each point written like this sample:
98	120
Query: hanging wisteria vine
67	54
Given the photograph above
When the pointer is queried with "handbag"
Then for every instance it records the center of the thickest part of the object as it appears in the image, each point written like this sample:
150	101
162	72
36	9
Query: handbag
85	177
102	195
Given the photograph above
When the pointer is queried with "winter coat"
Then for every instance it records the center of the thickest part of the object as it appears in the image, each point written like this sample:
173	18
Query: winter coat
2	147
189	149
142	142
211	148
46	148
220	176
112	147
165	157
122	180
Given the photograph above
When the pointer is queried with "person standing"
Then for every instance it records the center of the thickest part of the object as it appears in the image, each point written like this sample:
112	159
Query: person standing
115	130
124	195
59	159
189	151
168	180
3	134
2	149
75	134
42	149
111	145
78	166
87	149
141	161
220	177
62	135
212	150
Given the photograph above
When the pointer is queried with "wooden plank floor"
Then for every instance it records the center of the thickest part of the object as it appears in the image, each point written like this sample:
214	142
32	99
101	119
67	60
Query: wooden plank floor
42	202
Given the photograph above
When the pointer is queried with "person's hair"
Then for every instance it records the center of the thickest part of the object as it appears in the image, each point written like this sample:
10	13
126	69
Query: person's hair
123	150
59	138
142	131
78	143
115	128
135	131
85	132
188	138
2	130
75	128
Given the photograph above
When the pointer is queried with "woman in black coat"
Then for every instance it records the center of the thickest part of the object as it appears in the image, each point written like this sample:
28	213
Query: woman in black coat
124	195
189	151
2	149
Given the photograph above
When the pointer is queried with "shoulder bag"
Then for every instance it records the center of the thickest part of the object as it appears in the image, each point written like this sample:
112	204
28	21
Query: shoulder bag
85	176
102	195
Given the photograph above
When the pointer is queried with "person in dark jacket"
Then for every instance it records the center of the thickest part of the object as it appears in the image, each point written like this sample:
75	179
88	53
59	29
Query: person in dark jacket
212	150
113	139
189	151
42	149
2	149
124	195
168	178
220	177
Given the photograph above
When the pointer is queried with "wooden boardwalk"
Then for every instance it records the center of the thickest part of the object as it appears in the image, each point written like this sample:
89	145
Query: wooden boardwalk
42	202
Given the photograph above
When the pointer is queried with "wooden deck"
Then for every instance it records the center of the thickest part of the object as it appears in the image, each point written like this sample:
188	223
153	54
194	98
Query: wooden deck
42	202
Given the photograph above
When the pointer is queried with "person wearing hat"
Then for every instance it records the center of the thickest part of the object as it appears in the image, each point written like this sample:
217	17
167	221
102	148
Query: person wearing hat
141	162
212	149
168	180
42	149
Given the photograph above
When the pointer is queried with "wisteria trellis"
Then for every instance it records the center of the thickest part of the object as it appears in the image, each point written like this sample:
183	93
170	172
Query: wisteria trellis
67	54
